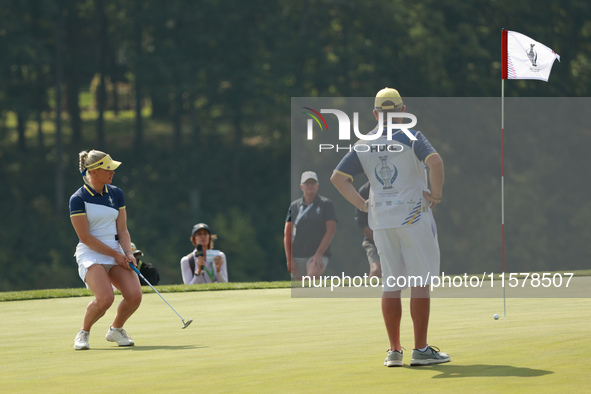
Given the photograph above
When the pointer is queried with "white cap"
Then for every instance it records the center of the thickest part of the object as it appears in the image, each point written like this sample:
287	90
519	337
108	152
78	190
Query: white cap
308	175
135	250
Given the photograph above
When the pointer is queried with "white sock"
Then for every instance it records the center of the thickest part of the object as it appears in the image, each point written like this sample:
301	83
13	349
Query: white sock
423	349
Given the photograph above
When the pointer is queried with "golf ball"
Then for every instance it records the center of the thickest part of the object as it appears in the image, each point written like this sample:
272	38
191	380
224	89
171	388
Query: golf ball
496	316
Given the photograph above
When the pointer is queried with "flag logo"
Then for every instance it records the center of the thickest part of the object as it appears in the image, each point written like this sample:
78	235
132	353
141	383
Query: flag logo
386	173
532	55
525	58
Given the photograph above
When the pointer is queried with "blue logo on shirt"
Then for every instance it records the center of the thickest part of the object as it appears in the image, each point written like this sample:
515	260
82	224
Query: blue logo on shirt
386	173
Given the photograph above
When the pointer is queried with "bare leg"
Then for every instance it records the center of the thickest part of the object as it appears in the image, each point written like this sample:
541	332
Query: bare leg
128	283
392	312
100	285
420	305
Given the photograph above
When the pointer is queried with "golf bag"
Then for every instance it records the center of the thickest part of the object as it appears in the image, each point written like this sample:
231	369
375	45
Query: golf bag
150	273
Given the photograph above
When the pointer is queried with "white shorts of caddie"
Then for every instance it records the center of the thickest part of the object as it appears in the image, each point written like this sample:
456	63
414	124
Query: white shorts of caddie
85	257
409	255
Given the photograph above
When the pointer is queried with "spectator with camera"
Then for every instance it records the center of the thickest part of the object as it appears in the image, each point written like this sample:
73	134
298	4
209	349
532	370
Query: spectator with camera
204	264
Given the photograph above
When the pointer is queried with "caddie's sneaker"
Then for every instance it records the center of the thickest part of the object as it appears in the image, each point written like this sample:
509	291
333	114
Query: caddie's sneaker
120	336
394	359
81	341
430	356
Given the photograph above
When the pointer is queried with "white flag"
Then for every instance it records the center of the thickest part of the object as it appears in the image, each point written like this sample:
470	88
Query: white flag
524	58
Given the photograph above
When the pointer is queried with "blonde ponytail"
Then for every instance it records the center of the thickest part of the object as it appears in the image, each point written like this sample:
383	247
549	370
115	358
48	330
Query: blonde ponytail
87	158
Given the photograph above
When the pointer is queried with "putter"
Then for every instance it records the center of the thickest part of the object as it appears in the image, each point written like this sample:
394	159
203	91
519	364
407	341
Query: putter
185	324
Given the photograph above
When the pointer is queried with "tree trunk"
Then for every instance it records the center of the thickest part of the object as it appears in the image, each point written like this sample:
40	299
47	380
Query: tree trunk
139	127
102	61
39	90
195	129
238	134
21	120
40	140
115	98
178	120
59	168
139	131
72	93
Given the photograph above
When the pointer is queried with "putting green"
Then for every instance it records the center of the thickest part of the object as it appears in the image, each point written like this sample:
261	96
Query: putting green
266	341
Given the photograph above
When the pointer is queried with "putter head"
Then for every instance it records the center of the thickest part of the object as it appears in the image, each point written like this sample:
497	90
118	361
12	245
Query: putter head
186	324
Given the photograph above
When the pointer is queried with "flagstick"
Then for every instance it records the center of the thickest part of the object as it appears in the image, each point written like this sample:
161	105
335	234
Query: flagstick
503	190
518	71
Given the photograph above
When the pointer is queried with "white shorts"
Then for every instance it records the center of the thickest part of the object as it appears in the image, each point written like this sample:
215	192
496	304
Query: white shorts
85	257
303	262
409	255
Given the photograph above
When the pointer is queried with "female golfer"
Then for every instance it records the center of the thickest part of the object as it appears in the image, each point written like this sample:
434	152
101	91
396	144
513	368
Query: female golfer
97	212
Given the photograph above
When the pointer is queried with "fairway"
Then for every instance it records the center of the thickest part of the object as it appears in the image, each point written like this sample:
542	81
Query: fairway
265	341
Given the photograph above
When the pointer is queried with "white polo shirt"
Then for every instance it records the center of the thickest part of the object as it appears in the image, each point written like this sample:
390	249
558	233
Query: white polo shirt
397	175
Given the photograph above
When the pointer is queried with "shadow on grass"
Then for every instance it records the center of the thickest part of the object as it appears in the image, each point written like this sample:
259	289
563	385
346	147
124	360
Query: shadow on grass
481	370
148	348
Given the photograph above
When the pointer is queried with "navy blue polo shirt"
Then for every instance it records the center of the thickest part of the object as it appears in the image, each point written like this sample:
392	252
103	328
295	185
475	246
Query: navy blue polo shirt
101	209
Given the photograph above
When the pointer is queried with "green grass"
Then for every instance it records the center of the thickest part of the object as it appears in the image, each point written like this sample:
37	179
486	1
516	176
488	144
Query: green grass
266	341
82	292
